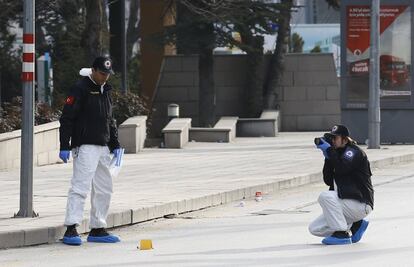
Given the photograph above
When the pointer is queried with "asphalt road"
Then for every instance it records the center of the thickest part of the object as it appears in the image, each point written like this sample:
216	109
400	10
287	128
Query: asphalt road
272	232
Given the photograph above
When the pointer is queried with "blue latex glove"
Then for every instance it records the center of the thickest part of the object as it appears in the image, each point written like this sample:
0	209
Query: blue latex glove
116	152
64	155
324	147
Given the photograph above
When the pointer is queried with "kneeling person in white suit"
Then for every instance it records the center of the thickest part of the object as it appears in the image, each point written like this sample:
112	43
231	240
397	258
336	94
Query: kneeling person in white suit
350	197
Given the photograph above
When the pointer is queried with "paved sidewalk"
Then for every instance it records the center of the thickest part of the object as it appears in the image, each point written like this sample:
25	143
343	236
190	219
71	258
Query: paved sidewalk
158	182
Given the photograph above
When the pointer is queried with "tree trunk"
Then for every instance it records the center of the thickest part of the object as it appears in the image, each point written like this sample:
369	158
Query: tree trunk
115	31
133	27
104	29
253	91
41	44
207	92
199	38
95	37
275	69
187	32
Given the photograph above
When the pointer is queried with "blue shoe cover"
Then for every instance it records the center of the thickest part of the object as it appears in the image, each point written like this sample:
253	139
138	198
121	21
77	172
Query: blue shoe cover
358	235
104	239
330	240
72	241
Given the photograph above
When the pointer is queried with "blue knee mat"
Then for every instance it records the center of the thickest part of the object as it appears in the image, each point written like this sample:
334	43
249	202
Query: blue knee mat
358	235
330	240
73	241
104	239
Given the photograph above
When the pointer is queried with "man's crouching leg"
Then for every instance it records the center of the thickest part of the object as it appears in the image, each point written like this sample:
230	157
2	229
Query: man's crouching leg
332	224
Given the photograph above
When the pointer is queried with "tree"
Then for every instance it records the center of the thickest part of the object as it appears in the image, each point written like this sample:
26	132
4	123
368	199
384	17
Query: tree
297	43
133	27
68	53
316	49
10	60
193	34
253	93
115	30
95	37
275	69
335	4
71	31
115	37
251	19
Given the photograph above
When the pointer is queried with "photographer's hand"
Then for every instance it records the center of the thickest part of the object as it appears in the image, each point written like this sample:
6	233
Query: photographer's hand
324	147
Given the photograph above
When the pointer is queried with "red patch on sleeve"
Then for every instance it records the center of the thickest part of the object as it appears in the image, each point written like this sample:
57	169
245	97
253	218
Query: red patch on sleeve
70	100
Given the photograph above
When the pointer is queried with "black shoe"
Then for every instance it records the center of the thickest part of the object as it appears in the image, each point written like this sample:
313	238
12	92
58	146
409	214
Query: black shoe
100	235
358	229
341	234
338	238
355	227
71	236
71	231
98	232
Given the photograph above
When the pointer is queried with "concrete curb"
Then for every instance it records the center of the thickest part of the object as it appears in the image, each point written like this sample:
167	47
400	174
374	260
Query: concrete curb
44	235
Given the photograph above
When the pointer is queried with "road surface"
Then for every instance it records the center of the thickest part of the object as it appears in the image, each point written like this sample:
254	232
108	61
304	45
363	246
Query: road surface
272	232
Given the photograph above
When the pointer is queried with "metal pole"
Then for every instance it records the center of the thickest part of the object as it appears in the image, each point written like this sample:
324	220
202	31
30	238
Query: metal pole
26	165
0	95
124	57
374	116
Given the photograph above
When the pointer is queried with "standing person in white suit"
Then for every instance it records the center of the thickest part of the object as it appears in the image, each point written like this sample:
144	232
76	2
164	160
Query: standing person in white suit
87	128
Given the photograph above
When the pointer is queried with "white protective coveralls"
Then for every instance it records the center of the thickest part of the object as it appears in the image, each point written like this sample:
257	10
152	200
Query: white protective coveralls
91	168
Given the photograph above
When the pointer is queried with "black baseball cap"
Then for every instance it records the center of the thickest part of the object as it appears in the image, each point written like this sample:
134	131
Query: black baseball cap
340	130
103	64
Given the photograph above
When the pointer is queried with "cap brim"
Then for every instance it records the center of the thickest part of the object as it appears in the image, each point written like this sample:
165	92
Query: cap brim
107	71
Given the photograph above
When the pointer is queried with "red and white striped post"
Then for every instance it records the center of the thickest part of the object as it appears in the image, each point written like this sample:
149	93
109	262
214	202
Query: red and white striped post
28	57
28	69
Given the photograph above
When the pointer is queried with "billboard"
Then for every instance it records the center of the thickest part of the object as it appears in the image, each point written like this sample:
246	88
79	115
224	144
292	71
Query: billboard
395	52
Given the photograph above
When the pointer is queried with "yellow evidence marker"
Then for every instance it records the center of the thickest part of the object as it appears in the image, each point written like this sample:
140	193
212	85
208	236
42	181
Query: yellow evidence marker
145	244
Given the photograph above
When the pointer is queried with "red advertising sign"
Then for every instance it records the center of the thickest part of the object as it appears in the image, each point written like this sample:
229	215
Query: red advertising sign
395	51
359	24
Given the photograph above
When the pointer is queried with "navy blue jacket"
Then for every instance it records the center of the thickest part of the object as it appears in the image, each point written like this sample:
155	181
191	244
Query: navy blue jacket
350	169
87	117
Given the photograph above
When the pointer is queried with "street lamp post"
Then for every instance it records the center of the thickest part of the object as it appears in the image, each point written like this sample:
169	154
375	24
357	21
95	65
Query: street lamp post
374	112
28	69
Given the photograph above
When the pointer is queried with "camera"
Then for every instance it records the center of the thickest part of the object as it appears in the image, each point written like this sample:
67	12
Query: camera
327	137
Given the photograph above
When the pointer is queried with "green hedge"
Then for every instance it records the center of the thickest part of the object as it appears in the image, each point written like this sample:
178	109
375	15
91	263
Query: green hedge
127	105
11	114
124	106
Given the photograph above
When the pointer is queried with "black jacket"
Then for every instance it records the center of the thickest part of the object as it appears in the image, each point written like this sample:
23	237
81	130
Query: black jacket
87	117
350	168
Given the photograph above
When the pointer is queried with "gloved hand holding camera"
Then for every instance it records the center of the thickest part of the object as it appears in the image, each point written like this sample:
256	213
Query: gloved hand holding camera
323	143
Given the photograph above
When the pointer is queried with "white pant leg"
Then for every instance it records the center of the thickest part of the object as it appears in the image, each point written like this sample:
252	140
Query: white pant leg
101	191
337	219
354	211
85	162
333	218
319	227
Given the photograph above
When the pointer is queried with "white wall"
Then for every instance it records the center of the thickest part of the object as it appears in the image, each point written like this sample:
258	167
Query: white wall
46	146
